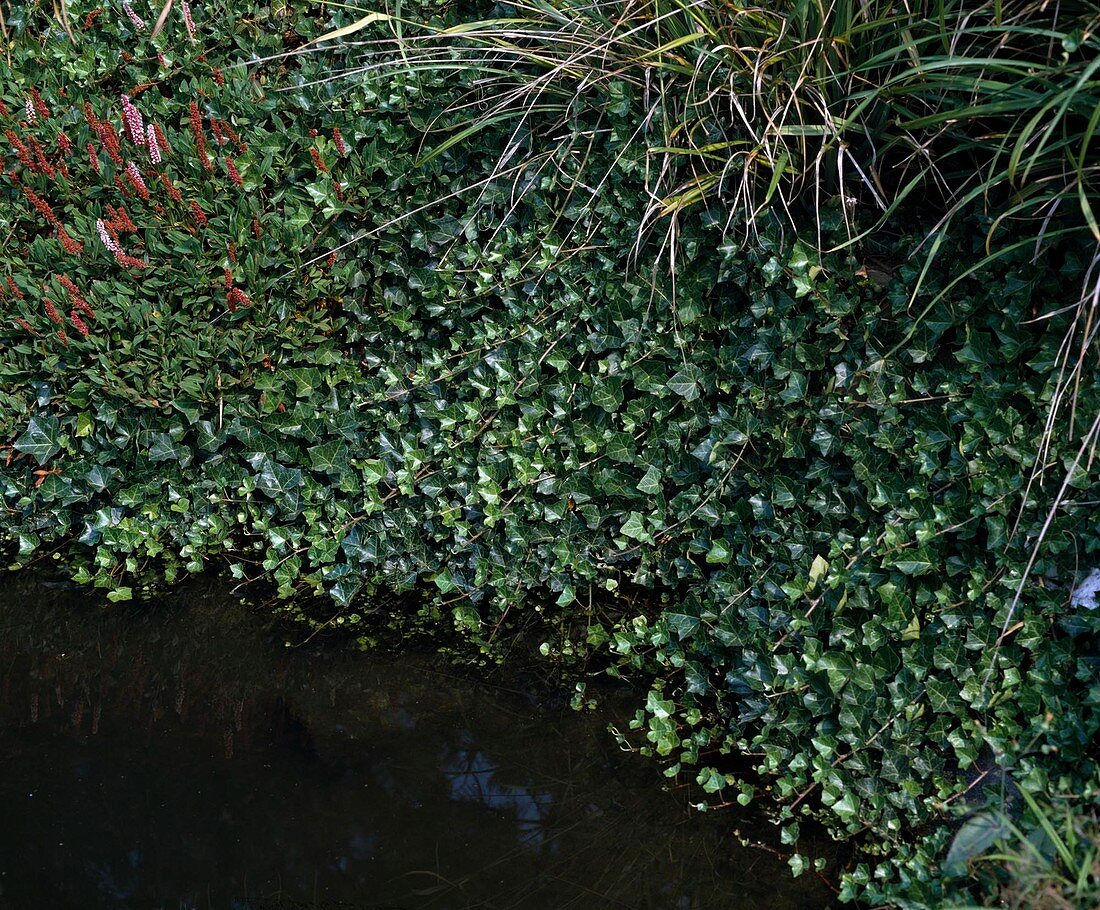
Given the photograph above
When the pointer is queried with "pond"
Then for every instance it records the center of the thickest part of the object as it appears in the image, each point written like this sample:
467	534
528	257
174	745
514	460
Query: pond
179	755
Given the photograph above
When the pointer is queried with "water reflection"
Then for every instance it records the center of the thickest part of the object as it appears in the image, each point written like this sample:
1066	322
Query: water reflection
473	776
180	757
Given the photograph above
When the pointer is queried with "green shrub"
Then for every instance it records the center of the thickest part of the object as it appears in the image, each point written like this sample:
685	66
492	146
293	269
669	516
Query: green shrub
481	394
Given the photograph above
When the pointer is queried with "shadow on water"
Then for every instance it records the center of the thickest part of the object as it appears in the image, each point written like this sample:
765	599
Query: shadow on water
179	756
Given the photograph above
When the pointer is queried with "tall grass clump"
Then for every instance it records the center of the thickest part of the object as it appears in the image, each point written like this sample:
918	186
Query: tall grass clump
865	113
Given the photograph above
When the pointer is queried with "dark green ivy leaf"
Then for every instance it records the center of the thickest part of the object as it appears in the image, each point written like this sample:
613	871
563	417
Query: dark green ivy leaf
41	439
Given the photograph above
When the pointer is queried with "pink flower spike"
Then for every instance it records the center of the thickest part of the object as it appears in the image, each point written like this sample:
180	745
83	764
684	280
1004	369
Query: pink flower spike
134	124
132	16
32	115
136	180
108	242
152	144
185	8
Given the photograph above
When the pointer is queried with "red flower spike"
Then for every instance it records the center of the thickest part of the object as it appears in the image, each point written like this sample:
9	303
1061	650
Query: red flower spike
41	205
162	140
89	115
51	311
134	178
200	137
75	297
234	174
44	166
224	126
170	188
72	247
21	151
129	261
79	324
237	297
111	143
40	105
121	219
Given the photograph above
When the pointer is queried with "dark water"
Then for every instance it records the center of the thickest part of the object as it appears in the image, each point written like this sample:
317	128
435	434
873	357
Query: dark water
180	756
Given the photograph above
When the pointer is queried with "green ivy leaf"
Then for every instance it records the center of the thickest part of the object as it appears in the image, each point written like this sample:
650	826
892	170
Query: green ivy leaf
42	438
977	834
280	483
686	382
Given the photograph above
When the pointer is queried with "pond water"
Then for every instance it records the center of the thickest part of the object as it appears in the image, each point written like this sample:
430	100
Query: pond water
178	755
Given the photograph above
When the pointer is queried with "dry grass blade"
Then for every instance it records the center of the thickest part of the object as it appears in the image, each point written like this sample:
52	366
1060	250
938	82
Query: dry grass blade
162	18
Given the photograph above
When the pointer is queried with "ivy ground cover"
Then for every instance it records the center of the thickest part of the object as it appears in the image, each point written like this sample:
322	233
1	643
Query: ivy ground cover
246	326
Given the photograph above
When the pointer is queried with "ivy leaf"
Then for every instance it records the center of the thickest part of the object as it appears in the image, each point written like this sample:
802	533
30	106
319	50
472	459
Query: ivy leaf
686	382
683	624
608	394
620	447
634	527
847	807
978	834
711	780
85	423
818	568
41	439
164	448
329	457
839	667
719	552
344	591
280	483
651	482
